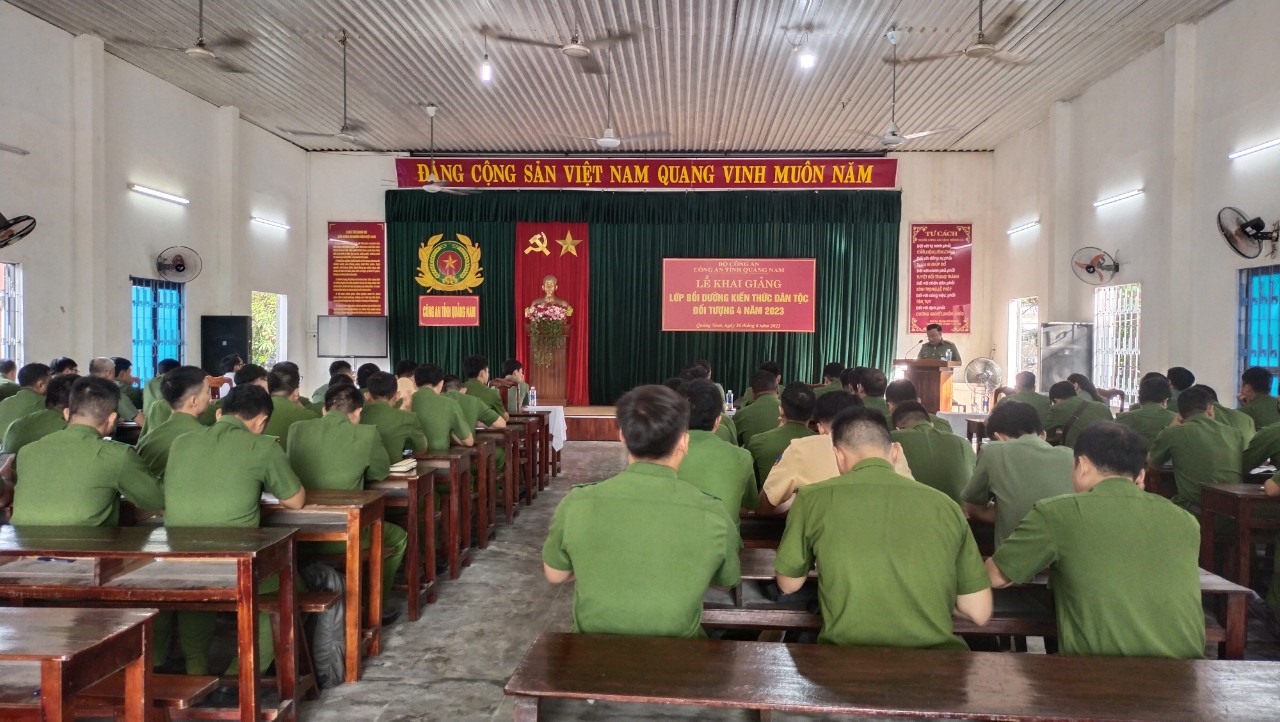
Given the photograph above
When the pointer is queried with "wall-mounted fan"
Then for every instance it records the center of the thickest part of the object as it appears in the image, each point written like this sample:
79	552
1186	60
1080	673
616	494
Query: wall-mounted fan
15	229
1244	234
1094	266
178	264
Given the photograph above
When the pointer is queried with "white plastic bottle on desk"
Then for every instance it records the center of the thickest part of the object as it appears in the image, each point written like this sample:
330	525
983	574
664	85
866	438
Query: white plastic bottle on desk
728	400
533	396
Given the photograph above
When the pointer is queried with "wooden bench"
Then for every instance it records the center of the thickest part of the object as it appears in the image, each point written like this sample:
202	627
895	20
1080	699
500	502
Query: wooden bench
876	682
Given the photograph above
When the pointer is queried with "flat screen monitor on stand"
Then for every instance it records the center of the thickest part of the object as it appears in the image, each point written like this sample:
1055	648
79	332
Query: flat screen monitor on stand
353	337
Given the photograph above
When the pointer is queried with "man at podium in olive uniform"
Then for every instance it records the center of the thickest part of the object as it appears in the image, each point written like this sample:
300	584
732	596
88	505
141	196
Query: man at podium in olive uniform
937	347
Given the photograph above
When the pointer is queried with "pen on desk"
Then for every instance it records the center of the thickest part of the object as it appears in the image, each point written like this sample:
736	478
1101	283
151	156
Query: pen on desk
55	559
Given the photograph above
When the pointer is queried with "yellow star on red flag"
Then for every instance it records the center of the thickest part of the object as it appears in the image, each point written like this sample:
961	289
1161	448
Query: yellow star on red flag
569	244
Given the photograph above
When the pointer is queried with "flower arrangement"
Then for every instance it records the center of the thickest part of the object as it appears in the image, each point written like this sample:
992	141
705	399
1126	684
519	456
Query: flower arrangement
548	323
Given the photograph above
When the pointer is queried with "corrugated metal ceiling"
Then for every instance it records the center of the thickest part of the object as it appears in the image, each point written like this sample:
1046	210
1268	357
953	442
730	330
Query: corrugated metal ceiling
718	75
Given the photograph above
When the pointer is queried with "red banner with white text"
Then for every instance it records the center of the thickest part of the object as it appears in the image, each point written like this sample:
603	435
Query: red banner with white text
941	273
560	250
357	268
738	294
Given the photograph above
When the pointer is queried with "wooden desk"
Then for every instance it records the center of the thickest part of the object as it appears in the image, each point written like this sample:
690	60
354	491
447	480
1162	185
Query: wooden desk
761	531
181	569
341	516
508	438
486	488
528	461
127	432
453	476
414	493
1236	502
75	648
876	682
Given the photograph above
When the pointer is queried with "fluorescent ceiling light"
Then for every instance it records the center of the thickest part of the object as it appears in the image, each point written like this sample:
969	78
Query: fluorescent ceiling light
1115	199
159	194
807	58
1254	149
486	70
1024	227
268	222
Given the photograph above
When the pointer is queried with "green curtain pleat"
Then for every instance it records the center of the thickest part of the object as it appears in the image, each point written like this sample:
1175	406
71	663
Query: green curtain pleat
853	236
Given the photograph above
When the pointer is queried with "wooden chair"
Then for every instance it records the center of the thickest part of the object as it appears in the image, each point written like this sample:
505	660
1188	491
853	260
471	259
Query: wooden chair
1111	395
1000	393
976	432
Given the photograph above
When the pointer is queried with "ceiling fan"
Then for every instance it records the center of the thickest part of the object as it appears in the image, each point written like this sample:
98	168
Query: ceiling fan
984	44
609	139
581	51
349	126
434	184
893	137
201	49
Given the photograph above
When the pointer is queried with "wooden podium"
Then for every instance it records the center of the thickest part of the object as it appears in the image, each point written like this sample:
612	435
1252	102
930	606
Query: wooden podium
932	379
551	380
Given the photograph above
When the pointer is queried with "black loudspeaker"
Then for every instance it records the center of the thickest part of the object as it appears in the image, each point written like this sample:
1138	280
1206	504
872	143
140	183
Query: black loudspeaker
221	336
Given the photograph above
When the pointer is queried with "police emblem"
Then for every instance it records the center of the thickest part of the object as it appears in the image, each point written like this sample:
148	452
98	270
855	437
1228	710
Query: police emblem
447	264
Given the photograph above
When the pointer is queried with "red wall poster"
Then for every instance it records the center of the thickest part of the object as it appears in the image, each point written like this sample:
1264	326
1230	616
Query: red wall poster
357	268
738	294
941	273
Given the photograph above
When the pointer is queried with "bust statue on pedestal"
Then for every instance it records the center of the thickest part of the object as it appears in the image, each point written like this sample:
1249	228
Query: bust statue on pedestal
549	286
548	332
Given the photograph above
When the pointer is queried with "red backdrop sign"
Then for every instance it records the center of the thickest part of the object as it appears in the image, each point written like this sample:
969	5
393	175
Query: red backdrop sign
357	269
738	294
941	269
560	250
653	173
448	310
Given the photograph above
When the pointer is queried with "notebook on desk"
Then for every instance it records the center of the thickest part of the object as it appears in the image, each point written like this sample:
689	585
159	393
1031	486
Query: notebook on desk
405	466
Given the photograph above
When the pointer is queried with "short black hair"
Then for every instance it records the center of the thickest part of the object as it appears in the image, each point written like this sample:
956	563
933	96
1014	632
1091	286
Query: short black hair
1154	389
229	363
1194	400
1258	378
852	376
364	372
473	365
797	401
676	384
181	383
511	366
763	381
340	380
1086	385
166	365
705	404
1181	378
61	365
1025	381
652	420
32	374
7	366
874	382
1213	395
248	374
829	406
281	382
58	394
909	414
832	370
247	402
122	364
1015	419
382	385
343	398
339	366
428	375
900	392
772	367
704	363
405	367
934	327
452	382
860	426
1114	449
1061	390
694	371
94	398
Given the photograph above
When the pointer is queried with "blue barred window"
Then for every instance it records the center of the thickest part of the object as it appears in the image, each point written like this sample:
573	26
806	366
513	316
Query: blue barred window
157	324
1260	319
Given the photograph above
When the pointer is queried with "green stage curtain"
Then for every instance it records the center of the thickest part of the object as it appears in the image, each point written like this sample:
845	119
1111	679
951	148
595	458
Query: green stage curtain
853	236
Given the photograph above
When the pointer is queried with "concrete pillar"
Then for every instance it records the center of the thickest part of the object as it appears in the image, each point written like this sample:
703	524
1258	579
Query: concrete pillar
1057	221
89	309
1185	235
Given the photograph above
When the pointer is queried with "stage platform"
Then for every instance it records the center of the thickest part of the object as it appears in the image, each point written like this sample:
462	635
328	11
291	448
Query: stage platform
591	423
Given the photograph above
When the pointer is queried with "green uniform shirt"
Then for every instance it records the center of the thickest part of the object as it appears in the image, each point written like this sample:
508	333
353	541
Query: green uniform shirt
644	547
1017	473
1203	451
398	429
75	478
440	418
1263	447
727	430
1037	401
125	408
1148	420
23	403
242	463
722	470
7	388
746	399
1263	411
32	427
133	393
941	424
766	448
155	446
942	461
333	453
159	411
939	352
879	404
490	397
284	414
759	417
892	557
474	410
317	396
1061	412
1124	568
1236	419
828	388
151	393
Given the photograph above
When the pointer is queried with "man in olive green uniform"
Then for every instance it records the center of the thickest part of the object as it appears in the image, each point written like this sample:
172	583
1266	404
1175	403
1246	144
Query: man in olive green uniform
796	405
1025	392
439	416
701	370
1263	448
513	371
942	461
874	385
750	394
48	420
244	463
337	367
338	452
830	379
8	378
807	460
1202	450
897	557
720	469
643	545
476	413
1234	418
1114	553
727	430
1256	399
938	348
1015	470
1151	414
399	430
127	382
33	380
1070	414
105	368
288	410
476	369
62	365
185	391
151	389
902	391
245	375
75	478
763	415
1180	379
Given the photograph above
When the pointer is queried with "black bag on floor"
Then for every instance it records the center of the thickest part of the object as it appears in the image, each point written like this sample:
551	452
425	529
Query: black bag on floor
325	629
